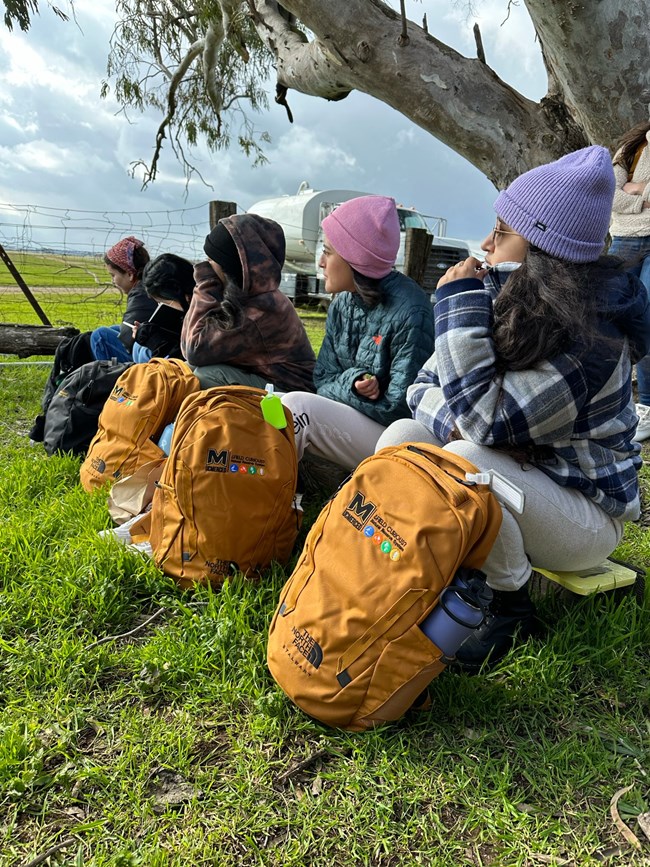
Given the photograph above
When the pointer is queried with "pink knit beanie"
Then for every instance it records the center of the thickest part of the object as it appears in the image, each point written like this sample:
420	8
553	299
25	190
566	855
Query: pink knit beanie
365	232
121	254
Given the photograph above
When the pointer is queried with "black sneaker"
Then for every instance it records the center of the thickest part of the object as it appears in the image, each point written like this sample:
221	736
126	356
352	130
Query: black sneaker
512	617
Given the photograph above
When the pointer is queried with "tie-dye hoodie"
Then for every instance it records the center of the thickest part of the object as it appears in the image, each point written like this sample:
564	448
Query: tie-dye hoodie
270	340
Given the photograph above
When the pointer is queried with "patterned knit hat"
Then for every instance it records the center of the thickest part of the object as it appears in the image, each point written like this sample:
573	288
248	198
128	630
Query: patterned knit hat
121	254
564	207
365	232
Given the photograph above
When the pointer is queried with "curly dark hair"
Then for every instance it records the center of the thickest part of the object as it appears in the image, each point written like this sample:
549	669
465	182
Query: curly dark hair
548	304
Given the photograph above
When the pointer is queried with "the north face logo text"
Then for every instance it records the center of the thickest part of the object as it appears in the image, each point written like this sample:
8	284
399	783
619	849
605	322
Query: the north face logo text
308	646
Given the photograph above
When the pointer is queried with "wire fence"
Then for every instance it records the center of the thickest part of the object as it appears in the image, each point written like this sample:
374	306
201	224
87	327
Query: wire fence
59	254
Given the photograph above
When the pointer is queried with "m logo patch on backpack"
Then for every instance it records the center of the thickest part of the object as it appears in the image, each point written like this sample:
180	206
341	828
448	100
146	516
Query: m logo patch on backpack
358	512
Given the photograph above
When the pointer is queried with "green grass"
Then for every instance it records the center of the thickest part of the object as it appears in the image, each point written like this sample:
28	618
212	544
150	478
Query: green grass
70	290
175	747
53	269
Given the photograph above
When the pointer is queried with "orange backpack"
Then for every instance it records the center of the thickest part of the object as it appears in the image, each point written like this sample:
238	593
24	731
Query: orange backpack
144	400
226	499
344	643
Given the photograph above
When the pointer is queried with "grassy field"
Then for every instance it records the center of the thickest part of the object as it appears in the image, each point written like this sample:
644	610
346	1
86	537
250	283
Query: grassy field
70	290
76	290
54	269
139	724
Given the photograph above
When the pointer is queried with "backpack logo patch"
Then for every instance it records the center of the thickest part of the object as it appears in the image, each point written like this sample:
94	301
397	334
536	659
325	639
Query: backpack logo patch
363	516
226	462
120	395
308	646
358	511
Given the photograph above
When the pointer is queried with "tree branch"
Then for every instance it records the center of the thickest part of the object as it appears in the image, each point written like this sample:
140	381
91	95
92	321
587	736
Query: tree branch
309	67
193	52
460	100
590	50
212	43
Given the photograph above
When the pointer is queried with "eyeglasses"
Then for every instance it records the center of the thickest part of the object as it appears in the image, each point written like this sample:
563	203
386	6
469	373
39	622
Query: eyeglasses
497	231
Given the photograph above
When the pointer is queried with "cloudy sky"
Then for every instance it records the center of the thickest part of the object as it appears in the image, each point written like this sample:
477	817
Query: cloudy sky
61	146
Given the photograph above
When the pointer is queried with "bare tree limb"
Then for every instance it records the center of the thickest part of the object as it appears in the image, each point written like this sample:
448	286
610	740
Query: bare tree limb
193	52
480	52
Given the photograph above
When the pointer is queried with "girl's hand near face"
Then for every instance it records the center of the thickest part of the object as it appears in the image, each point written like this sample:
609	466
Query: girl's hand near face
470	267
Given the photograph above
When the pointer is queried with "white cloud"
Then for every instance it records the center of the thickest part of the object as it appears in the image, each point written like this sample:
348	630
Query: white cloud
43	156
310	151
44	68
23	126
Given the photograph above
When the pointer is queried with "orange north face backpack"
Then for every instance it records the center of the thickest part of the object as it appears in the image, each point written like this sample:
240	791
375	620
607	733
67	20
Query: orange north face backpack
344	642
144	400
225	502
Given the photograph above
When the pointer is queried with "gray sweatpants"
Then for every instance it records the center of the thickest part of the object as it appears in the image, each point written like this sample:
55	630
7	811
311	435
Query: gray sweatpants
331	429
560	529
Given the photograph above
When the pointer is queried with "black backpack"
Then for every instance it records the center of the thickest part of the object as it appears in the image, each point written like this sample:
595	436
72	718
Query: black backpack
72	417
70	354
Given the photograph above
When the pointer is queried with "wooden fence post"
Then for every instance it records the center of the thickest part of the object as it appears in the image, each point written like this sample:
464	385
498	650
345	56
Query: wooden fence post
27	292
220	209
416	253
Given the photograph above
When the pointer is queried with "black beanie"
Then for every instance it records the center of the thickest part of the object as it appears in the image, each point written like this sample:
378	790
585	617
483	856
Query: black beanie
220	247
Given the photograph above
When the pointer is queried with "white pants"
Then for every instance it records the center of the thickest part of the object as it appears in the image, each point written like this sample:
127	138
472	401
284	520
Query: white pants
331	429
560	529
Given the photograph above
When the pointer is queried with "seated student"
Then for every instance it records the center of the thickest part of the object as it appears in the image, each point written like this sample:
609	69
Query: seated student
125	262
169	281
378	333
240	329
531	377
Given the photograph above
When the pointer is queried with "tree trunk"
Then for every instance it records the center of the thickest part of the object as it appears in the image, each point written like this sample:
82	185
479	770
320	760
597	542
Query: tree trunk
26	340
597	53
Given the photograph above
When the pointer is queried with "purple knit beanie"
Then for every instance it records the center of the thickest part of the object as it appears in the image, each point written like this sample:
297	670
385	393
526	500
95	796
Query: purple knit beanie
365	232
564	208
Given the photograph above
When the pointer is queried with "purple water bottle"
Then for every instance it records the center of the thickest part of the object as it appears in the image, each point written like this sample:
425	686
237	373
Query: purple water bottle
460	610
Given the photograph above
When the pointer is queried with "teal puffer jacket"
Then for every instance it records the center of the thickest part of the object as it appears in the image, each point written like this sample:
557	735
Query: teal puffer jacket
391	341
